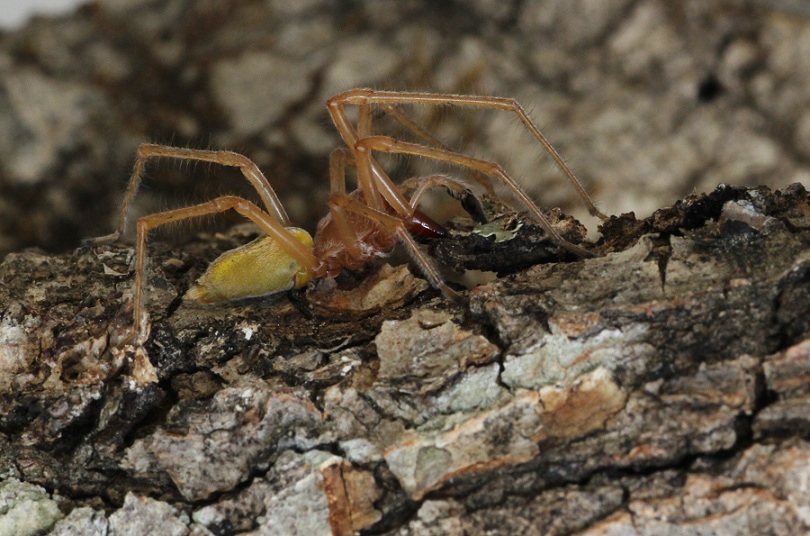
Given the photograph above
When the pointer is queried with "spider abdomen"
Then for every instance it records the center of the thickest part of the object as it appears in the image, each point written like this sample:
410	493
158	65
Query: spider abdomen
258	268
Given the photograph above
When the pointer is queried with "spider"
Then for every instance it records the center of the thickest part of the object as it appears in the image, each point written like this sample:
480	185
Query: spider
361	225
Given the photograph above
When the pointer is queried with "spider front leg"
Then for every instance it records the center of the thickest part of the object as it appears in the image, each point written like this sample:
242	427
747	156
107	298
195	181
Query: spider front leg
390	145
274	263
363	98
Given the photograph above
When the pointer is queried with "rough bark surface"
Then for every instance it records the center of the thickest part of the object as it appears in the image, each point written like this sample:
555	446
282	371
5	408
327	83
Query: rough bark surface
659	388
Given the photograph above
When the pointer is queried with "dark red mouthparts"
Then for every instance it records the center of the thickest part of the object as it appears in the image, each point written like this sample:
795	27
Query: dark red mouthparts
423	226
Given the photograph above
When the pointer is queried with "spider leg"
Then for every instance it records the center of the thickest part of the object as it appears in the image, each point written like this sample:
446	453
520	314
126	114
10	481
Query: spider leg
338	159
273	228
373	173
390	145
367	169
422	133
336	106
374	182
456	188
226	158
340	203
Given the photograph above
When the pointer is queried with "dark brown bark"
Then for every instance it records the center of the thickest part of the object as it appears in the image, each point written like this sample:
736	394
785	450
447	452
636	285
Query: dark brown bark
662	383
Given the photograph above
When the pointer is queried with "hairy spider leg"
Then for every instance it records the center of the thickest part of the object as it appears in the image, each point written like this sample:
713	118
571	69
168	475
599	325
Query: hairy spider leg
412	219
336	106
416	129
390	145
338	159
373	181
226	158
272	227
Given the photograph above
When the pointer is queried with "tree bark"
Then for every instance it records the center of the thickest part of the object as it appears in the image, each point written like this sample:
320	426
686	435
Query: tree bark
660	385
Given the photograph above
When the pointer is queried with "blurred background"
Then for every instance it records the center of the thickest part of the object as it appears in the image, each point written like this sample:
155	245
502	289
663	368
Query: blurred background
15	13
647	100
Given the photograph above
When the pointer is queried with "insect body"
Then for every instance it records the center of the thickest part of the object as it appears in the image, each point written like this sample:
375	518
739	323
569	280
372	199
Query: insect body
360	226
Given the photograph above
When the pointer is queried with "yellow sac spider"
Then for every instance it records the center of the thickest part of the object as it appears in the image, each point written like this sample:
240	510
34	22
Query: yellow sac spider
360	226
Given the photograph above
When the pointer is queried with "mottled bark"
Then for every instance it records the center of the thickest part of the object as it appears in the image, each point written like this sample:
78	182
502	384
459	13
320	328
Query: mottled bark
658	386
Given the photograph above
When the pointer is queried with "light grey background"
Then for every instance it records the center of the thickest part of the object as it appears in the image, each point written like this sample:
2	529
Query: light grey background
15	13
